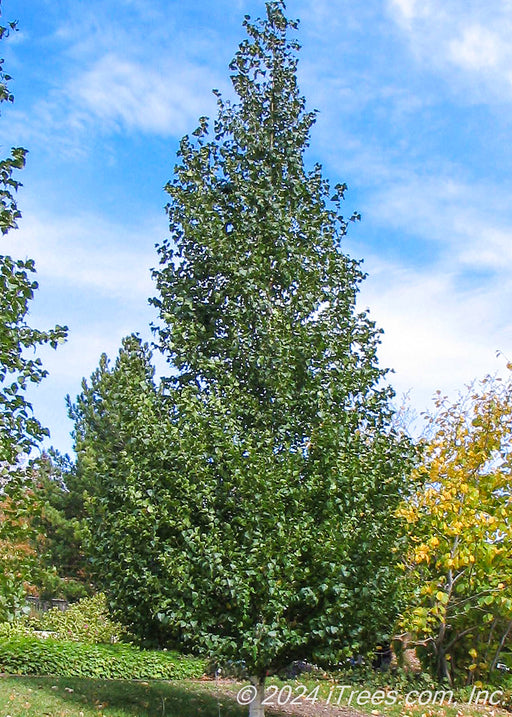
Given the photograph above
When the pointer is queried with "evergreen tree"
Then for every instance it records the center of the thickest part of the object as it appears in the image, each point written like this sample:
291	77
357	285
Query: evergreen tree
121	438
59	523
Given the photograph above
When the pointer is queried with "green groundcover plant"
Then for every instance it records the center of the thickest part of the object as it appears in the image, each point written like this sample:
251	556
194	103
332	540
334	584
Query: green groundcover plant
30	655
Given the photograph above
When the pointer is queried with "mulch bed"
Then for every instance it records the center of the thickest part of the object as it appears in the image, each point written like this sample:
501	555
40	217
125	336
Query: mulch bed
224	688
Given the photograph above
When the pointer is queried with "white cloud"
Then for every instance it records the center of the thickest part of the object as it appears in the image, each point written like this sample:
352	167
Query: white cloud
469	37
87	251
445	318
112	95
101	87
436	336
410	9
94	277
470	224
478	48
166	100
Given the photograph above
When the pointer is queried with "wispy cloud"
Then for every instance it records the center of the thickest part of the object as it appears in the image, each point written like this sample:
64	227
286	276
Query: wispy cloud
112	78
94	276
409	10
436	336
478	48
472	38
116	95
88	252
471	223
124	94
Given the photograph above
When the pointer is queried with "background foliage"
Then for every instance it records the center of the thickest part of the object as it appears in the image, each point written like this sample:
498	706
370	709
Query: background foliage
20	431
459	571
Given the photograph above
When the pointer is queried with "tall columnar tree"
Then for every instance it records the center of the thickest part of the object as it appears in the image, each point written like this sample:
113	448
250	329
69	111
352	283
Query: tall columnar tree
283	547
19	429
256	523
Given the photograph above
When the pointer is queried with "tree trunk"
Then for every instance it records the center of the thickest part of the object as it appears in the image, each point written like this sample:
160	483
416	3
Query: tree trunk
500	646
443	672
256	708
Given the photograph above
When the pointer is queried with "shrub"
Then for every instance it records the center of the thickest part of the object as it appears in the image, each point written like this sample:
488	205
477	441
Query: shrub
29	655
86	621
17	628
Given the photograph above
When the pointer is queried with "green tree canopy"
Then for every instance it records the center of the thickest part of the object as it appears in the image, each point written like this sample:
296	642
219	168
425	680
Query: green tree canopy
60	527
271	516
122	438
20	430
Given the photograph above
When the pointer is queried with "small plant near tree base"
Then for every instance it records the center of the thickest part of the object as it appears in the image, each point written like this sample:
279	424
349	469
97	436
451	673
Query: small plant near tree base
253	521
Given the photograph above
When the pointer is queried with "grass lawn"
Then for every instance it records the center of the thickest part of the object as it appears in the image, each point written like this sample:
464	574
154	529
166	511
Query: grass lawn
81	697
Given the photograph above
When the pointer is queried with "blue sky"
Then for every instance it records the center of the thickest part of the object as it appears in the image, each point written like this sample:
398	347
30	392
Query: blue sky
415	115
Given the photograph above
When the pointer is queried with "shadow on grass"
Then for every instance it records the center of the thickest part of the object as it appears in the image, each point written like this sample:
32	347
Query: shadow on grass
143	699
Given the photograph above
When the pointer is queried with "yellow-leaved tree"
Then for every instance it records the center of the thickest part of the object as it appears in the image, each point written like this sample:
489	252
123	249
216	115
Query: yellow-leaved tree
459	565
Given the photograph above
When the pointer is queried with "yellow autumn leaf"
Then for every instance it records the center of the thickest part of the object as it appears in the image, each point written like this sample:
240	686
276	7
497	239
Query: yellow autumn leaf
459	529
